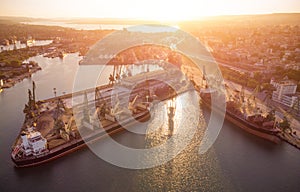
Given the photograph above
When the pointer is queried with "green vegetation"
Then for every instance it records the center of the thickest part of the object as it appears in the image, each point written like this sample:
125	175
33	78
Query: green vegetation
271	115
22	31
285	125
17	31
251	82
240	78
65	40
292	74
15	58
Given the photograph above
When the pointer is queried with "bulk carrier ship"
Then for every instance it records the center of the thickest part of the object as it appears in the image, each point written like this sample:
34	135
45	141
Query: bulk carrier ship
255	123
50	131
241	112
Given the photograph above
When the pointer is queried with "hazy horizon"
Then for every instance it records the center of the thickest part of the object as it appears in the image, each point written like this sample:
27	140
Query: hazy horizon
143	10
132	18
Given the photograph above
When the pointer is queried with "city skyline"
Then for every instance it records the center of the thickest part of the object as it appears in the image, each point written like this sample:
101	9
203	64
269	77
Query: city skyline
154	10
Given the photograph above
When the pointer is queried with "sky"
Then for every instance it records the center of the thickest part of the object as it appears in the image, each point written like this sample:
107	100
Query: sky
143	9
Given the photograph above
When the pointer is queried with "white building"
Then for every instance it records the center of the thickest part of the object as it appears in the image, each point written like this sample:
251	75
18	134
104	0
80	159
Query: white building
33	143
285	92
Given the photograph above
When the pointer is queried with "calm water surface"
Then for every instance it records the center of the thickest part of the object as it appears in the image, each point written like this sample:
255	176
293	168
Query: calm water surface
236	162
78	26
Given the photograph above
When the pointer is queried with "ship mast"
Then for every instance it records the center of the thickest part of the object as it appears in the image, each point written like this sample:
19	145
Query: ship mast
204	78
86	111
33	92
171	114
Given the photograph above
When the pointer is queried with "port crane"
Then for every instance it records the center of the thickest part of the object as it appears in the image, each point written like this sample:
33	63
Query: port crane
131	104
233	93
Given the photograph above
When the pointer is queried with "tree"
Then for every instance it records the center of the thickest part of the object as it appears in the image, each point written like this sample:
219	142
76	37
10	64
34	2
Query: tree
271	115
252	83
293	74
15	63
279	70
268	87
257	76
285	125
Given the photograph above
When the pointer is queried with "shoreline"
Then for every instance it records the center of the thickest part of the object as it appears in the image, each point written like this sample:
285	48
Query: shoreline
14	80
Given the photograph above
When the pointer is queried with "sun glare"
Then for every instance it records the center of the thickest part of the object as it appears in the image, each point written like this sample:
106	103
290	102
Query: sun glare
150	10
166	10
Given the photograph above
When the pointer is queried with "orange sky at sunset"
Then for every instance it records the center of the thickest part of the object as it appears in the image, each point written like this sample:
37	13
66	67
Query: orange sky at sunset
140	9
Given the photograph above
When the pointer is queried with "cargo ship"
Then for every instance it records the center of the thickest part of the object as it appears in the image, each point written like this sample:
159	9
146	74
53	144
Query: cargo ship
50	130
238	112
256	124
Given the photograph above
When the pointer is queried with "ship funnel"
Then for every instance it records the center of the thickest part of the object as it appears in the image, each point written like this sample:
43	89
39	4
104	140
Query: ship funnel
24	140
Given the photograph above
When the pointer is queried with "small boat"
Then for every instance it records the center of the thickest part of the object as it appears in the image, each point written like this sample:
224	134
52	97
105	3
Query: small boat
30	42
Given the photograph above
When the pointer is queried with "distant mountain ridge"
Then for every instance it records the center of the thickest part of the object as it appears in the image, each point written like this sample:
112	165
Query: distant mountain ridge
288	18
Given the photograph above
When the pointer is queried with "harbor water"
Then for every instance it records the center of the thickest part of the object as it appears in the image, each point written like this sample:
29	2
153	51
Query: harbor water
78	26
237	161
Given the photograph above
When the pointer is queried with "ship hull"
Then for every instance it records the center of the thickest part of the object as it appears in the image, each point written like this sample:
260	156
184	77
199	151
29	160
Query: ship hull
80	143
135	85
262	133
